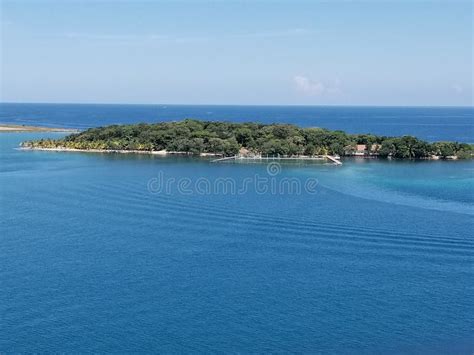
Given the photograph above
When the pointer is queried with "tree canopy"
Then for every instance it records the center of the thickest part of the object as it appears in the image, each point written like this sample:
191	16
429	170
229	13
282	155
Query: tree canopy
226	138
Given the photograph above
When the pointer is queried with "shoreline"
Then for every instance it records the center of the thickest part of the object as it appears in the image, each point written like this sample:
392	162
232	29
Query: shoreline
12	128
118	151
216	155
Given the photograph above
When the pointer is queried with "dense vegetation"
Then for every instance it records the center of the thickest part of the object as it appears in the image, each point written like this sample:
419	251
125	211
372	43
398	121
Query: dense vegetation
193	136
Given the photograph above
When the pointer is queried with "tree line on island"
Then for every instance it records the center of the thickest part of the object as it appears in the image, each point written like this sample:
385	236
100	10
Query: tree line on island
227	139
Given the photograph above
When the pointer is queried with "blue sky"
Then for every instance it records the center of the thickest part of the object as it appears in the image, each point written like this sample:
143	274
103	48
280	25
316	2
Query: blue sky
237	52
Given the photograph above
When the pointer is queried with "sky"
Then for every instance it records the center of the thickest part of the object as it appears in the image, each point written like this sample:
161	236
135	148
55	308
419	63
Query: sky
238	52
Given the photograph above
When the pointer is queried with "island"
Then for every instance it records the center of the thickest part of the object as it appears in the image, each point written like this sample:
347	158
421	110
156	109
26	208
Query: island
217	138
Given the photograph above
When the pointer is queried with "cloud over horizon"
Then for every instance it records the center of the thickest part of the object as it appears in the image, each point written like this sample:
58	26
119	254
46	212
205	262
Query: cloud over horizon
310	87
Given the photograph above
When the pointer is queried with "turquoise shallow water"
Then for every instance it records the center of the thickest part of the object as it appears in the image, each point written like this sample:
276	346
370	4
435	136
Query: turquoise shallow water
376	258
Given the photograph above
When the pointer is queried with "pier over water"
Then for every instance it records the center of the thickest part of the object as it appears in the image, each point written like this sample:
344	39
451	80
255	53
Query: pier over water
335	160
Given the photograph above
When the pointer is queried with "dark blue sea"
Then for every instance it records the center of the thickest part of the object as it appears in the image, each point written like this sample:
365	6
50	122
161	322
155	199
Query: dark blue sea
137	253
429	123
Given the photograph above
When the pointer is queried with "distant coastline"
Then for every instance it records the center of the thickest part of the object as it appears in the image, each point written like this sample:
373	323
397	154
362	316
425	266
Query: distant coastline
5	128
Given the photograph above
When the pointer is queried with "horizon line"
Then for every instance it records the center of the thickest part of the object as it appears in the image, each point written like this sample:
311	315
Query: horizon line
238	105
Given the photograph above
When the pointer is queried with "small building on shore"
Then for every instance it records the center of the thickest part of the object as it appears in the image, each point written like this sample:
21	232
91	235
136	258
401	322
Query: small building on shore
244	152
361	149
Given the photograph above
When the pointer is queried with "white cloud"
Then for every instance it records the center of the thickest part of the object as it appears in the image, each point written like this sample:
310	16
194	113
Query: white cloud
458	88
307	86
292	32
99	37
315	88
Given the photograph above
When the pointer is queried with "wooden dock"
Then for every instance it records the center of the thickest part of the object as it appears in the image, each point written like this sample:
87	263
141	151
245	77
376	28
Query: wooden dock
333	159
273	158
224	159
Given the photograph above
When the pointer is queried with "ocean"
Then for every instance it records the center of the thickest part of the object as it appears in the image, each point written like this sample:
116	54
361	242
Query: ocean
429	123
137	253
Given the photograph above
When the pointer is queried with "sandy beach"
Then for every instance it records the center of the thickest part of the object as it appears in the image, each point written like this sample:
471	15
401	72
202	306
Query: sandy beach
22	128
116	151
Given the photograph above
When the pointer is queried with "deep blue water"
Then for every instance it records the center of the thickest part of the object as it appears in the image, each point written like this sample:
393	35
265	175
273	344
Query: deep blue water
430	123
376	258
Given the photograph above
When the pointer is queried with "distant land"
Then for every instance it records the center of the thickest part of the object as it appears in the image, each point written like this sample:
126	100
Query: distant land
24	128
197	137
